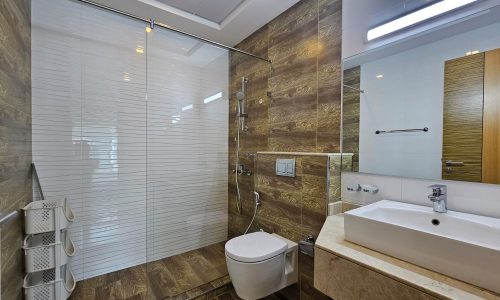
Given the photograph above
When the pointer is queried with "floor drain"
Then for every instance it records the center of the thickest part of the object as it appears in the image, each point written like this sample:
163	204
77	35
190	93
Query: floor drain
435	222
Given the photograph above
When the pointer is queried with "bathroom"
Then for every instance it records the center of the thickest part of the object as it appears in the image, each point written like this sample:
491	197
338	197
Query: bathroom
243	149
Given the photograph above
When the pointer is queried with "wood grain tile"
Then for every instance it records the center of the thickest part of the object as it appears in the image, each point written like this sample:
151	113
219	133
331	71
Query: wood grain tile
15	137
302	114
351	115
183	276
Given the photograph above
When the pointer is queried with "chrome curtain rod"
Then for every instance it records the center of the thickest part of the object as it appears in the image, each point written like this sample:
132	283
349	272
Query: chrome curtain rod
353	88
152	23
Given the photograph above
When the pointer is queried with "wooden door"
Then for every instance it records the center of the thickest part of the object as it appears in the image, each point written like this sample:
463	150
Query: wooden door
463	118
491	120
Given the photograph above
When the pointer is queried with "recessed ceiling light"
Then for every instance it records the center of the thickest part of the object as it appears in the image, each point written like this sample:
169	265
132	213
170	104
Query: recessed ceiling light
472	52
380	76
416	17
139	50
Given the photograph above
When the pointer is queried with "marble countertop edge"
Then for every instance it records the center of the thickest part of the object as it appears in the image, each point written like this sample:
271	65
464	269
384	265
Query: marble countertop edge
331	239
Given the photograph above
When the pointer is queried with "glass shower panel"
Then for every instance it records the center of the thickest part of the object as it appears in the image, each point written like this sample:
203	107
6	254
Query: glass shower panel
89	129
187	152
113	142
56	108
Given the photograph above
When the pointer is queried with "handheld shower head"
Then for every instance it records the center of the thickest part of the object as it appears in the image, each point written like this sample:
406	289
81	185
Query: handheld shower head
242	110
240	95
257	204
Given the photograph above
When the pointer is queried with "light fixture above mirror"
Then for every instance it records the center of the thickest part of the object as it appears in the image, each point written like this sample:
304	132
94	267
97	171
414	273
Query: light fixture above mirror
416	17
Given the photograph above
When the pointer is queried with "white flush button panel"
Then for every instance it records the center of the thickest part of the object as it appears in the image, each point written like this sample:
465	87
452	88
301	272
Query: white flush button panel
285	167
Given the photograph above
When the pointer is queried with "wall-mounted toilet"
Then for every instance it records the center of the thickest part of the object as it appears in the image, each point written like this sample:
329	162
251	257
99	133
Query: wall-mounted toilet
260	264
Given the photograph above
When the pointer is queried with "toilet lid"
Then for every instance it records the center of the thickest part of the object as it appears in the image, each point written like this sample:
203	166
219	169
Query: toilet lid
255	247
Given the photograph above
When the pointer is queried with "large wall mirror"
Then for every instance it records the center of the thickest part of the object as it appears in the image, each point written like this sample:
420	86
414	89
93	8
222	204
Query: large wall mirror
430	110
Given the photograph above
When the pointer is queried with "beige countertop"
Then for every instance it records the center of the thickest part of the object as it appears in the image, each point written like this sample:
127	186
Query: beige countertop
331	239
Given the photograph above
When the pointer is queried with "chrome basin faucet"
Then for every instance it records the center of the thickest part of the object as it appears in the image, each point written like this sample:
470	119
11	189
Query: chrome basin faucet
438	197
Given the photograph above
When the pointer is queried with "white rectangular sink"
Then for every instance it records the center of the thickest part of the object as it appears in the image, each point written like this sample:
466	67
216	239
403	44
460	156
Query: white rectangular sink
460	245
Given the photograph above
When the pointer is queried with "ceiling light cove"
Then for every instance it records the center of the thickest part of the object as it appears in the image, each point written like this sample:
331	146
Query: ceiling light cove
188	10
416	17
227	22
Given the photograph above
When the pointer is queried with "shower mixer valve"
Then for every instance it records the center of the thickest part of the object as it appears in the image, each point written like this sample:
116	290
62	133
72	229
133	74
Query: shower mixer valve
242	170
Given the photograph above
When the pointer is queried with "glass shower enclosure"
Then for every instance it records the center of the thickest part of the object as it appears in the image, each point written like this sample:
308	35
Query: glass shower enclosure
131	126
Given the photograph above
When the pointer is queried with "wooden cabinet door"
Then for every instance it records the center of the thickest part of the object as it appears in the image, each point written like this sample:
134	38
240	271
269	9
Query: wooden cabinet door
463	118
491	120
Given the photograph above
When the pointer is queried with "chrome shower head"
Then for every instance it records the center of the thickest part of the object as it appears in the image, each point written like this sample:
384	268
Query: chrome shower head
240	95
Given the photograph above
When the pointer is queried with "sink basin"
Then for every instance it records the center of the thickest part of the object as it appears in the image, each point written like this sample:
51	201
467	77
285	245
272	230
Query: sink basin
460	245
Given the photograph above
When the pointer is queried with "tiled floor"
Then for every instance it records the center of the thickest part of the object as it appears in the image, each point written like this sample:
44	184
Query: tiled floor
231	295
183	276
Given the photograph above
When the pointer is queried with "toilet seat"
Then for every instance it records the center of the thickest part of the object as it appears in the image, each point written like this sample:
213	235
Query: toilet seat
254	247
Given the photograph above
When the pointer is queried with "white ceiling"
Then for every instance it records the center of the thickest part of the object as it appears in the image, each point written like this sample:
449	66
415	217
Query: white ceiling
215	11
224	21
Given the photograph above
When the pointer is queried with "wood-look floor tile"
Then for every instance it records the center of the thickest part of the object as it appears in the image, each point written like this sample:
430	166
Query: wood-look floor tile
178	277
112	291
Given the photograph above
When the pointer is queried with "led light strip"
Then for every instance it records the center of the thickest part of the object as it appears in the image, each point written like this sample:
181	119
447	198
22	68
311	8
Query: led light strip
416	17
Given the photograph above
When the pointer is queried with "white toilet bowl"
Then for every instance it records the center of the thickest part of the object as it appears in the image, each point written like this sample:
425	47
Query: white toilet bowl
260	264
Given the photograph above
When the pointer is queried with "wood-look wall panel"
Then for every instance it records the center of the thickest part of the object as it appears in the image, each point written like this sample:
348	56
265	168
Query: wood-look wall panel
15	137
329	76
463	117
491	119
301	113
351	115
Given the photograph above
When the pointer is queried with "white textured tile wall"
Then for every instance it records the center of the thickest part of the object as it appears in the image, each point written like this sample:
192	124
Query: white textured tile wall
187	145
105	94
56	109
389	188
476	198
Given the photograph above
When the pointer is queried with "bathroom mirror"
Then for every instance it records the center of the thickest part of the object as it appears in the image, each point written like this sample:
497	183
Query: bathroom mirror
427	107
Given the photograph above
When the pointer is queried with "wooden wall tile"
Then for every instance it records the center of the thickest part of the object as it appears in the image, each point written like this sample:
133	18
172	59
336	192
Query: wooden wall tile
351	117
293	107
15	136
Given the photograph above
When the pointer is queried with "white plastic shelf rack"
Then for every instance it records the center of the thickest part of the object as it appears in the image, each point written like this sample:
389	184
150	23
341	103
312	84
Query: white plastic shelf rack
48	250
49	284
47	215
41	251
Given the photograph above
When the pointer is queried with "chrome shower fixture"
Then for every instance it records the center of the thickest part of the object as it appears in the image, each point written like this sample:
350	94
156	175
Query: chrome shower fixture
240	95
242	99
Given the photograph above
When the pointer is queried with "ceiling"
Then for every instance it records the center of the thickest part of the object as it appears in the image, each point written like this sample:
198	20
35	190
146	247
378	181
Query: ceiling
215	11
224	21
